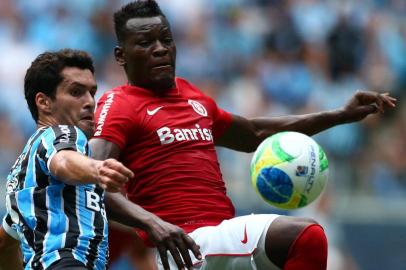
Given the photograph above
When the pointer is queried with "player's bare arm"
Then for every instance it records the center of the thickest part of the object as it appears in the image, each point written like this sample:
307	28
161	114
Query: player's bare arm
246	134
10	254
165	236
75	169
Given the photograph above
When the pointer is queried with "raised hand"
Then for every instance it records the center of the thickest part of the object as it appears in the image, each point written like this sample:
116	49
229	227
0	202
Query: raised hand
364	103
168	237
113	175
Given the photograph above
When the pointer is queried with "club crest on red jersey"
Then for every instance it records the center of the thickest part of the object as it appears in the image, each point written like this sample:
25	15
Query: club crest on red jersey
198	107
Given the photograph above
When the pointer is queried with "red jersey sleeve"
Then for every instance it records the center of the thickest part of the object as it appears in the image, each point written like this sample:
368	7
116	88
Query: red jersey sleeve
221	120
113	118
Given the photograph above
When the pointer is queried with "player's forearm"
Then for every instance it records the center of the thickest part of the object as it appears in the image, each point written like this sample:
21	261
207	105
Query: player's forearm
74	168
309	124
122	210
246	134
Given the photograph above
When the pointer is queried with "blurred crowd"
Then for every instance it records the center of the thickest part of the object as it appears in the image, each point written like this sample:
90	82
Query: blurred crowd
256	58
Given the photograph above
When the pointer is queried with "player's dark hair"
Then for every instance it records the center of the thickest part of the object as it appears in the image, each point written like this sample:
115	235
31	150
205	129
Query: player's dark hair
44	74
136	9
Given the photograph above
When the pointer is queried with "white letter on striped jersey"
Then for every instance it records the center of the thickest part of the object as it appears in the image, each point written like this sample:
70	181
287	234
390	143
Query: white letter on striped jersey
92	201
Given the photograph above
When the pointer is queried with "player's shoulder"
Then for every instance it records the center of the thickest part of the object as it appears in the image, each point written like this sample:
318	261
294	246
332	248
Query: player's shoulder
117	96
58	130
191	91
187	87
183	83
117	102
116	91
47	132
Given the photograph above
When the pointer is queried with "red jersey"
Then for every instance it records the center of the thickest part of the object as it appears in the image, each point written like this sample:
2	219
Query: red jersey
167	141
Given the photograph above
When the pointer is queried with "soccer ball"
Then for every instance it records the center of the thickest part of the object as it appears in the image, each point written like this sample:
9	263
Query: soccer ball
289	170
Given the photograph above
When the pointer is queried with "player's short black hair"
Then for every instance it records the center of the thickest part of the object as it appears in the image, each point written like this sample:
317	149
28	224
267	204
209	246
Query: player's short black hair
44	74
136	9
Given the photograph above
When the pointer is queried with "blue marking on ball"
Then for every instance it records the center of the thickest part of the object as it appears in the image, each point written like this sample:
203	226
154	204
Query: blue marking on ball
275	185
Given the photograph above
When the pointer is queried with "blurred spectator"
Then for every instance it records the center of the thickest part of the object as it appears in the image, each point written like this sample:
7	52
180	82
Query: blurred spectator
387	165
345	48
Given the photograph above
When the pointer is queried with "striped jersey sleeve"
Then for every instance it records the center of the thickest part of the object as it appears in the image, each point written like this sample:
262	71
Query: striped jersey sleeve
61	137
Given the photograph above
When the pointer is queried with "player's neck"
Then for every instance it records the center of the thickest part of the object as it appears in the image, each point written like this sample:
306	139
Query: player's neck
158	89
46	122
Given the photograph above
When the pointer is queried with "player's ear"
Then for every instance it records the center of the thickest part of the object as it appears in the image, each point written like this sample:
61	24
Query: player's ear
43	103
119	55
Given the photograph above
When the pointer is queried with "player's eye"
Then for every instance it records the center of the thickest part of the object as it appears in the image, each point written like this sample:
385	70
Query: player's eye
144	43
93	92
167	40
75	92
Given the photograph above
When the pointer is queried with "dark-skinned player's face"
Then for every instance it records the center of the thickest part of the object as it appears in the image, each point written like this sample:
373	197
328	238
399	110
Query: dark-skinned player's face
148	53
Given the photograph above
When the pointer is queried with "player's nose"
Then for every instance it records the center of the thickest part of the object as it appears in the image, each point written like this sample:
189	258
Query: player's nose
159	49
89	101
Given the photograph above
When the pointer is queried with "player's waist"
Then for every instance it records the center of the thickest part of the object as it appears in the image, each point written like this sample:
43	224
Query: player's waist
191	204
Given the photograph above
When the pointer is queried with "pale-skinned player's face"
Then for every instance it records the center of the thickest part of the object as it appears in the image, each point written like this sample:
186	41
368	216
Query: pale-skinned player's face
74	99
148	53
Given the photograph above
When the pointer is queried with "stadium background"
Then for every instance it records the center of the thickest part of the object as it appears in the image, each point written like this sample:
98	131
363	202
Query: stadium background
257	57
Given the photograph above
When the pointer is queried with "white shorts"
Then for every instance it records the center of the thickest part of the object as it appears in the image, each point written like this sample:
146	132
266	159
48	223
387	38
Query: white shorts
238	243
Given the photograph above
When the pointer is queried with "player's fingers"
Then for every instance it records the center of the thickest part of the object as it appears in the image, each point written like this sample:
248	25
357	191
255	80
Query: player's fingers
365	97
195	248
387	94
114	175
119	167
380	99
119	178
184	251
110	183
175	254
379	103
361	112
388	100
164	257
125	171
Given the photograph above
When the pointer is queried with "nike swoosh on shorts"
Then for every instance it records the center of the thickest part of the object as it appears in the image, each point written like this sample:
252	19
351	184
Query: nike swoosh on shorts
245	240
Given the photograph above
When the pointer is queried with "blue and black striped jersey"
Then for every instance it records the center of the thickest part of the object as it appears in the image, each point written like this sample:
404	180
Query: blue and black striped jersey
54	220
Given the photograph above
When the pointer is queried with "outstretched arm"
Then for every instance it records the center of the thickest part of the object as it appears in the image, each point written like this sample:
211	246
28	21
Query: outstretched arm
165	236
75	168
246	134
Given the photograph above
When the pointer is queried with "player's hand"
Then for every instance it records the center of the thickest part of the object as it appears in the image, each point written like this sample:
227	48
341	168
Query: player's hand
113	175
364	103
168	237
